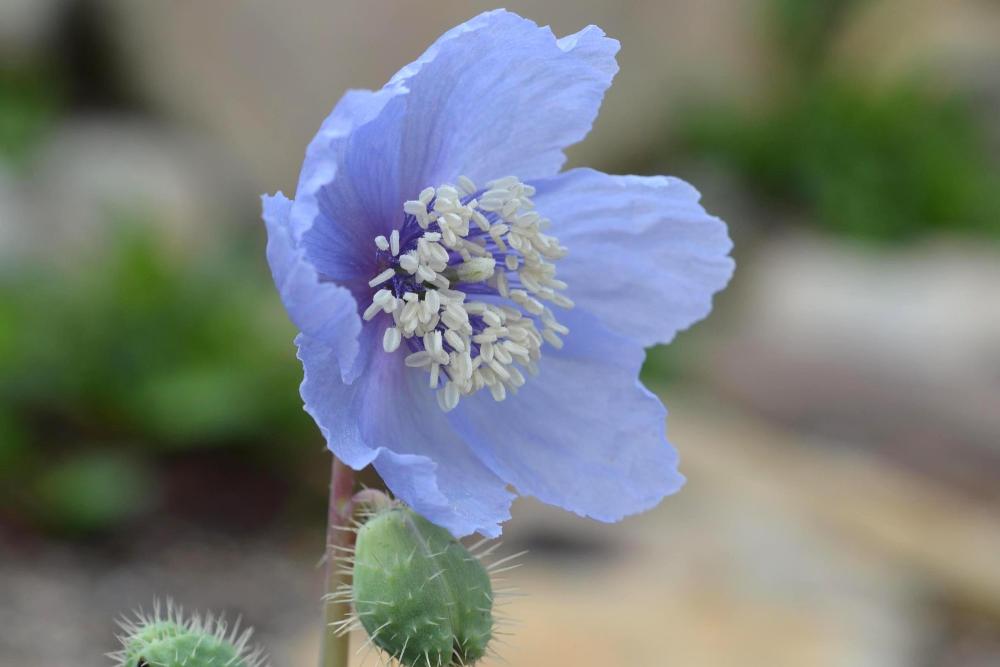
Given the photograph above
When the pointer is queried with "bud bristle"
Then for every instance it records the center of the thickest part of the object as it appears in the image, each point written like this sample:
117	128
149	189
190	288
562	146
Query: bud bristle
166	638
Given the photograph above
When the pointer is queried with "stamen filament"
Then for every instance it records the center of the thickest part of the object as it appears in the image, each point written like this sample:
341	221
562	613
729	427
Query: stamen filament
457	241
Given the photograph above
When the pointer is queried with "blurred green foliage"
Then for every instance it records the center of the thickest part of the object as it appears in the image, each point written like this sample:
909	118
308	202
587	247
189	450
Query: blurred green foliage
892	162
802	30
29	104
111	363
883	166
124	364
92	490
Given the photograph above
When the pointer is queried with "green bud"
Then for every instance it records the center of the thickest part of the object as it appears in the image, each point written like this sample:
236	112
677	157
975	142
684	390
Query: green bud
420	595
171	641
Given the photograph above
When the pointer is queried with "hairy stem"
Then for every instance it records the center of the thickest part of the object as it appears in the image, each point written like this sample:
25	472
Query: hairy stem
335	650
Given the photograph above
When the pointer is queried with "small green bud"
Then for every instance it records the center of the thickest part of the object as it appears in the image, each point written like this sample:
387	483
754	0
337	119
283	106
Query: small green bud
171	641
420	595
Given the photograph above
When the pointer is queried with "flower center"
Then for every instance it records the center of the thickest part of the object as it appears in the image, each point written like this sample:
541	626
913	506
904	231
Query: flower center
465	279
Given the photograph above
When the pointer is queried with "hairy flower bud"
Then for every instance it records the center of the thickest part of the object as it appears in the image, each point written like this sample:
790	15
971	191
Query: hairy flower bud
169	640
420	594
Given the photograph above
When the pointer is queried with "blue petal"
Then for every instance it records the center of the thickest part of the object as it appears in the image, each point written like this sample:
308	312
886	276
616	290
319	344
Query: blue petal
499	95
644	256
349	186
322	310
389	417
495	96
584	434
347	195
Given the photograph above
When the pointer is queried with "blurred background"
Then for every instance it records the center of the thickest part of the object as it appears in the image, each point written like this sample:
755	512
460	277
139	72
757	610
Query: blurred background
838	416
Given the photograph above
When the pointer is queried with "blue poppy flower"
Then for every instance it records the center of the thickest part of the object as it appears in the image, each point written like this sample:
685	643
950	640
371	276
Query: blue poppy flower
472	320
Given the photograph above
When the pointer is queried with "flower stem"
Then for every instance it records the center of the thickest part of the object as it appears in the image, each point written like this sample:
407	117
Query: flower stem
335	650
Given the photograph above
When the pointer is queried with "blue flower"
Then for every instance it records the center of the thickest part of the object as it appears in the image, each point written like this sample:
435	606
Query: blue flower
472	319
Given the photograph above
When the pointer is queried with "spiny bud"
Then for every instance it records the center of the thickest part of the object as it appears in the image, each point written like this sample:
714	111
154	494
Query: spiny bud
420	595
169	640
